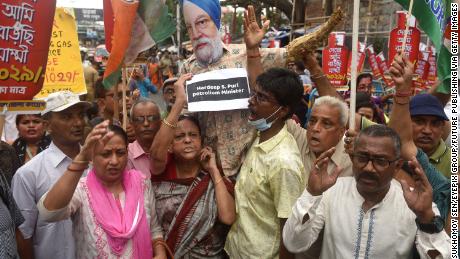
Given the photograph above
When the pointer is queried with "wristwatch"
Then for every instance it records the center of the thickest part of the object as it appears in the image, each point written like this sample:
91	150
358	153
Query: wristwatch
435	226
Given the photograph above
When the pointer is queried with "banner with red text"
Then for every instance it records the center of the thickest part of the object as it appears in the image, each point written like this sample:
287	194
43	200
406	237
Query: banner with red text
25	30
373	62
421	68
361	57
335	59
432	77
64	67
383	67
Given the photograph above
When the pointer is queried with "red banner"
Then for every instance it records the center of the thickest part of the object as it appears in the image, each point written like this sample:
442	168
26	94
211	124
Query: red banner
24	41
421	69
383	67
335	59
432	77
373	62
397	38
361	57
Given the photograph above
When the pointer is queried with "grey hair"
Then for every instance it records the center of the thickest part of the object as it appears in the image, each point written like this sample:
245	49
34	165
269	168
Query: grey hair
334	102
139	101
379	130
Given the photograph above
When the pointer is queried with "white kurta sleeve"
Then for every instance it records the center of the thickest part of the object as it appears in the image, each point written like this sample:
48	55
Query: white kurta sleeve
298	236
63	213
437	241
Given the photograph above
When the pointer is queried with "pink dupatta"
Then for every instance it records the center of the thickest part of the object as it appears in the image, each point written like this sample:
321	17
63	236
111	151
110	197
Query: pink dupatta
121	225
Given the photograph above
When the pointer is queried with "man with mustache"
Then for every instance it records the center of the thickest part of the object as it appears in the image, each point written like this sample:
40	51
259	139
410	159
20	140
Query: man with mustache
370	215
65	119
146	120
428	121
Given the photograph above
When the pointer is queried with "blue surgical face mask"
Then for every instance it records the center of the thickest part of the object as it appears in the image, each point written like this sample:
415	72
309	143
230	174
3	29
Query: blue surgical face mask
262	124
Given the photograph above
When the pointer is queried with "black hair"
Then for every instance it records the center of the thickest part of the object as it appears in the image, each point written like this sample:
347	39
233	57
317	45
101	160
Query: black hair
99	89
363	100
378	130
300	65
20	116
362	76
190	118
285	85
117	130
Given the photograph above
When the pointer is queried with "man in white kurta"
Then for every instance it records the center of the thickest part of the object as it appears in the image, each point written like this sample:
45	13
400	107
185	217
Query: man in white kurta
358	224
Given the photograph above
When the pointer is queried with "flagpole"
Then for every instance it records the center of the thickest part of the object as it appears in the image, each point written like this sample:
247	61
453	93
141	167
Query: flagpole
354	63
406	31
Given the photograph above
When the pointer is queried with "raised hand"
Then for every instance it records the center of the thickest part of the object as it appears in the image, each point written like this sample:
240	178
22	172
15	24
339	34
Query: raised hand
253	34
319	180
208	160
98	134
179	88
401	71
419	199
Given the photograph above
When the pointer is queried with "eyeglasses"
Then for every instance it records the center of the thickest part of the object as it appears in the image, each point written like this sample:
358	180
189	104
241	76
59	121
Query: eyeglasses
150	118
379	164
260	97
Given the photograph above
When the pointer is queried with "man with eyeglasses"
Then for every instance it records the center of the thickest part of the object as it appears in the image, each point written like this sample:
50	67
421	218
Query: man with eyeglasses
370	215
146	120
169	95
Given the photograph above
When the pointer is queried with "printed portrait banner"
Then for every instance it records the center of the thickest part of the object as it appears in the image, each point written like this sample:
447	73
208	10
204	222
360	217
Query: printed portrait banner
25	30
218	90
335	59
64	69
373	62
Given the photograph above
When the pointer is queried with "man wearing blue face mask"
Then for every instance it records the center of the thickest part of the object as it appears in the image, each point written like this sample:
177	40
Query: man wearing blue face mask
271	177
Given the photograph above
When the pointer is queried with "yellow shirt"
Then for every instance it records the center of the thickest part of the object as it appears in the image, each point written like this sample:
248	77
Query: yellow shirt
270	181
228	132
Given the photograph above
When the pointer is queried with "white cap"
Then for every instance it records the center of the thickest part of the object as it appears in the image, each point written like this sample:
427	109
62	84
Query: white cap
60	101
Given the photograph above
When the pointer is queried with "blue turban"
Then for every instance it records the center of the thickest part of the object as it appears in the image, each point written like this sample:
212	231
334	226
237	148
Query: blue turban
211	7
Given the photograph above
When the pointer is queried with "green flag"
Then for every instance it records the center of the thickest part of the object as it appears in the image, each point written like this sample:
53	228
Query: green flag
433	17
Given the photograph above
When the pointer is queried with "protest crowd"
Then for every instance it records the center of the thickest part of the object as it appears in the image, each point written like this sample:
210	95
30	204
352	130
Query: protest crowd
285	177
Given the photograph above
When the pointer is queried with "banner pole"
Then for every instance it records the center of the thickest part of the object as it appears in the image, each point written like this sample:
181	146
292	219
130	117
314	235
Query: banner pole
125	86
354	63
406	31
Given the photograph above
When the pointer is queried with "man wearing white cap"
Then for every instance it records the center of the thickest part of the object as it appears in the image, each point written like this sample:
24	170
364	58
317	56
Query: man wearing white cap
65	119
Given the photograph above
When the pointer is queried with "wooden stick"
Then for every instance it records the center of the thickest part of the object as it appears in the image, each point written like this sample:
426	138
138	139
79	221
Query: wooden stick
354	63
125	87
116	110
406	31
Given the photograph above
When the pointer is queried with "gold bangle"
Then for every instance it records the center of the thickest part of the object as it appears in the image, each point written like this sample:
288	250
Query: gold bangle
317	77
165	122
218	181
80	162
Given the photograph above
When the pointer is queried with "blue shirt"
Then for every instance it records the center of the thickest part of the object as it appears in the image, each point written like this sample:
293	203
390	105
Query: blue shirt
145	87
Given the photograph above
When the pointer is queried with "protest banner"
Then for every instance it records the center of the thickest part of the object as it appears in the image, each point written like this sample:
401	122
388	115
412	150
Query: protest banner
373	62
395	44
383	67
335	59
24	107
25	30
361	57
421	69
432	77
64	67
218	90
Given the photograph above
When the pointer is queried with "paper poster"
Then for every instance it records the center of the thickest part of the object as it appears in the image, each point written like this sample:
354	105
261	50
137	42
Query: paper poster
384	69
361	57
64	67
25	29
373	62
421	68
335	59
218	90
397	38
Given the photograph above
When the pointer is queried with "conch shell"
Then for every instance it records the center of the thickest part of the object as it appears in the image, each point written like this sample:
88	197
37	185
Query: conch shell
312	41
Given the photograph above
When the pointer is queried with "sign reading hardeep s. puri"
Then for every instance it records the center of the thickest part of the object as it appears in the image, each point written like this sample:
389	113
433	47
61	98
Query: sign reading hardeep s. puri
218	90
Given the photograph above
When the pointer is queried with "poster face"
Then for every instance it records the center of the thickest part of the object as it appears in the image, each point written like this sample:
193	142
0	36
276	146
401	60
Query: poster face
335	59
218	90
25	30
64	69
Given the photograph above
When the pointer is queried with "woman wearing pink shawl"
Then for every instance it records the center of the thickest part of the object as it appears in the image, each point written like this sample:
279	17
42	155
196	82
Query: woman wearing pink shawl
113	209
